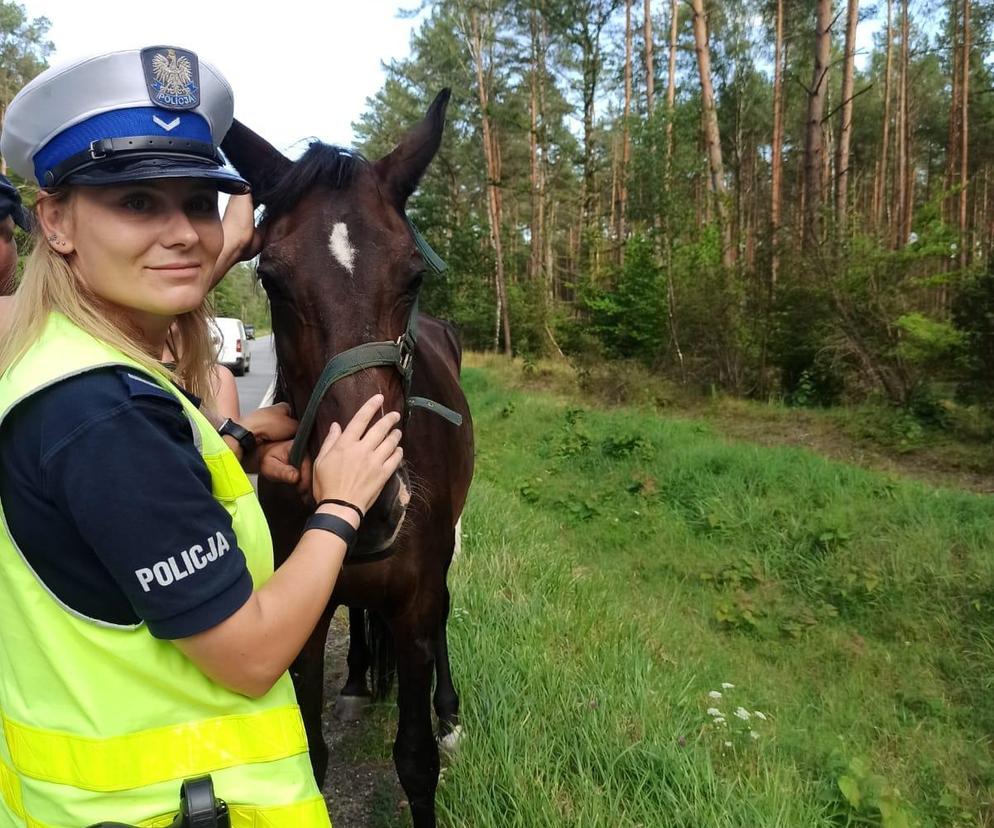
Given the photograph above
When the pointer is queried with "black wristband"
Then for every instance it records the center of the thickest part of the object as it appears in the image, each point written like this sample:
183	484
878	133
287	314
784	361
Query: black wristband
345	503
334	524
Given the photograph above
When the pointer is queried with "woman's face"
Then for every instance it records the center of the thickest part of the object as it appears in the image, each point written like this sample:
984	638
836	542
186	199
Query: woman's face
147	247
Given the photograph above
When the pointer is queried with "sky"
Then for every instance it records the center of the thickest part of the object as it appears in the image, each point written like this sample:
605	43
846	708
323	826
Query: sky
298	69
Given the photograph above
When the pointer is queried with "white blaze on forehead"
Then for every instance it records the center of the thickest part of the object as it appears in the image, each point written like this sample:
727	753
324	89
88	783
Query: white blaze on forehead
340	246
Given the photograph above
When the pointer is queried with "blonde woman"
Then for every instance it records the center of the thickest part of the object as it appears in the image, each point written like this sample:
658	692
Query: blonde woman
144	638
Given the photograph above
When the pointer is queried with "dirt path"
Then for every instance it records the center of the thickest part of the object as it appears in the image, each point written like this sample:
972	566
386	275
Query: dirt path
361	787
935	465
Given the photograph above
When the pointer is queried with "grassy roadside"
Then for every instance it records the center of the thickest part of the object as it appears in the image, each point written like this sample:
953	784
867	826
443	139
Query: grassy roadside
876	436
618	567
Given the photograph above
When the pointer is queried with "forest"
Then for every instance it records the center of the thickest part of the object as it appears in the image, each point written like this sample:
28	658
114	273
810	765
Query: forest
785	199
779	199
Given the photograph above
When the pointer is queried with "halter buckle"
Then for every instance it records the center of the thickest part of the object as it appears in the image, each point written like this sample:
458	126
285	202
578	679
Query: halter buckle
405	354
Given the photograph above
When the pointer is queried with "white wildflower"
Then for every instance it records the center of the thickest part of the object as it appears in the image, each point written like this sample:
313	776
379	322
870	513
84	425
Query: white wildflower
754	734
719	720
743	714
714	711
725	685
728	744
759	715
714	694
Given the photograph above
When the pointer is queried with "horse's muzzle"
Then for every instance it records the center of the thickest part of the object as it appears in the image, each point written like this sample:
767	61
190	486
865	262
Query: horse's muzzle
385	518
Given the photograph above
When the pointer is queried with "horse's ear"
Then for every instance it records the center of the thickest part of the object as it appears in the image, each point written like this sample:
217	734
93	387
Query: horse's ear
258	161
401	170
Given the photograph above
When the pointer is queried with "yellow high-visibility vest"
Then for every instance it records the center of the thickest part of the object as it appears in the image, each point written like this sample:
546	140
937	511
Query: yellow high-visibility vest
103	722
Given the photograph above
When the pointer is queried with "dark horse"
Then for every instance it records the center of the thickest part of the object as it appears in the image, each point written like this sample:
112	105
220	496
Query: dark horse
342	268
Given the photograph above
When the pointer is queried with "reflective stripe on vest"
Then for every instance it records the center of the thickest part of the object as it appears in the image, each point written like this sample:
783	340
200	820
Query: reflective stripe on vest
10	789
307	812
149	756
227	478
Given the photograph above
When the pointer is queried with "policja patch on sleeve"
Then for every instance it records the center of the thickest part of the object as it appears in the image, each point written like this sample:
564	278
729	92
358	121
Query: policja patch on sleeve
172	76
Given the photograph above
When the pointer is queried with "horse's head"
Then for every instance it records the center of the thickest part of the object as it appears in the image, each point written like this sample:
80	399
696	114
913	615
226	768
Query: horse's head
341	267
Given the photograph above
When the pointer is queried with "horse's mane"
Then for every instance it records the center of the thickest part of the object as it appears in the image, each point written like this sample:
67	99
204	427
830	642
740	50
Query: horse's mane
326	164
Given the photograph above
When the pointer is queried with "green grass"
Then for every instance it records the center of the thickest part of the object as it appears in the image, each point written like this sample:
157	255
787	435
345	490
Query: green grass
618	566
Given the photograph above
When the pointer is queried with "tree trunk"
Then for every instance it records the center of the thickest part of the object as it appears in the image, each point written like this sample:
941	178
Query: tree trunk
712	138
964	138
626	146
547	211
613	223
880	182
902	211
491	154
650	77
776	162
670	110
845	122
588	37
813	146
955	119
671	88
776	190
535	163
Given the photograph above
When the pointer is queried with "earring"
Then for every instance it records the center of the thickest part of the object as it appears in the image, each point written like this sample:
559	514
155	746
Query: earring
53	237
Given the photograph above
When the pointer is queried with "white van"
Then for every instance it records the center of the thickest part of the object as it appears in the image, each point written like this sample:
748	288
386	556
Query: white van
231	344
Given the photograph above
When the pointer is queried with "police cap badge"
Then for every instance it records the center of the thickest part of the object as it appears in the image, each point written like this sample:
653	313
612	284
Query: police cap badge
172	76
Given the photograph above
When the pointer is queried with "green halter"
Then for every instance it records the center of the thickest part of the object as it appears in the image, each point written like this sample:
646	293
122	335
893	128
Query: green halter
398	353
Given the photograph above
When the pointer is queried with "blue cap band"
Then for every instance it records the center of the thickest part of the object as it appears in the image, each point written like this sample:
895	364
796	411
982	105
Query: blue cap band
120	123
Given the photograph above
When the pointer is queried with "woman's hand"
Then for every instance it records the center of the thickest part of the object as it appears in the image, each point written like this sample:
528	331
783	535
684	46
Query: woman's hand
274	429
272	461
355	464
242	240
271	424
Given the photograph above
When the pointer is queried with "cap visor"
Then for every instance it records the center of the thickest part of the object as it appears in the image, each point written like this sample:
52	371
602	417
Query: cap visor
21	218
122	171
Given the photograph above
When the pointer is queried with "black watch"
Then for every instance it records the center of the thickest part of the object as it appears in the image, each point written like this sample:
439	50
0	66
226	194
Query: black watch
240	434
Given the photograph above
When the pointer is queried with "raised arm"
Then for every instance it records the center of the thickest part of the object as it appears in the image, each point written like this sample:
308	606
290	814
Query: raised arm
241	239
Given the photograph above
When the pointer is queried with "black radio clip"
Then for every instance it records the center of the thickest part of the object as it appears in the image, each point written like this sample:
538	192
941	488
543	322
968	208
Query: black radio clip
198	807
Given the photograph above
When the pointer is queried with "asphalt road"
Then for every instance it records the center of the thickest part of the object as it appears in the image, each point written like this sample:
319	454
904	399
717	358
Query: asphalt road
253	386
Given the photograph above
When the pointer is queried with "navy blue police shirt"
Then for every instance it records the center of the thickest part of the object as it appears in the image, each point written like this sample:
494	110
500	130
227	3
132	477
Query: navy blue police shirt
109	502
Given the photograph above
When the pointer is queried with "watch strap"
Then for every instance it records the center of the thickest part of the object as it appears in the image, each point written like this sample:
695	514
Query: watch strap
334	524
240	434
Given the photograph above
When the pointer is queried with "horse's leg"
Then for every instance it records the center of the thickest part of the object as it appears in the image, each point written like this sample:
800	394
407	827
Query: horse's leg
355	696
446	698
307	672
415	751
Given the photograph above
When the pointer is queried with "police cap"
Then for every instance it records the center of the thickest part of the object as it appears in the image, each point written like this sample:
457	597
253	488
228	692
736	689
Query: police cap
131	115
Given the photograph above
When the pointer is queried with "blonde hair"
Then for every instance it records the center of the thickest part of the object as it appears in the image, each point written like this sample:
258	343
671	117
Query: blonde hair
49	284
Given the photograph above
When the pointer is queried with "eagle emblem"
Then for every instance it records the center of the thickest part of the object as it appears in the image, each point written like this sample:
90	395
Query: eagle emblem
172	77
173	73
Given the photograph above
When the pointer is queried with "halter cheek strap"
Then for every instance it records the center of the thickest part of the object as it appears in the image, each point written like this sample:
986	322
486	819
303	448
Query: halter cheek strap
398	354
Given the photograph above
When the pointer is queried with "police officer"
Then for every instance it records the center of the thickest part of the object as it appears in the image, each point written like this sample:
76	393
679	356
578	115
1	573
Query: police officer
144	637
11	213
